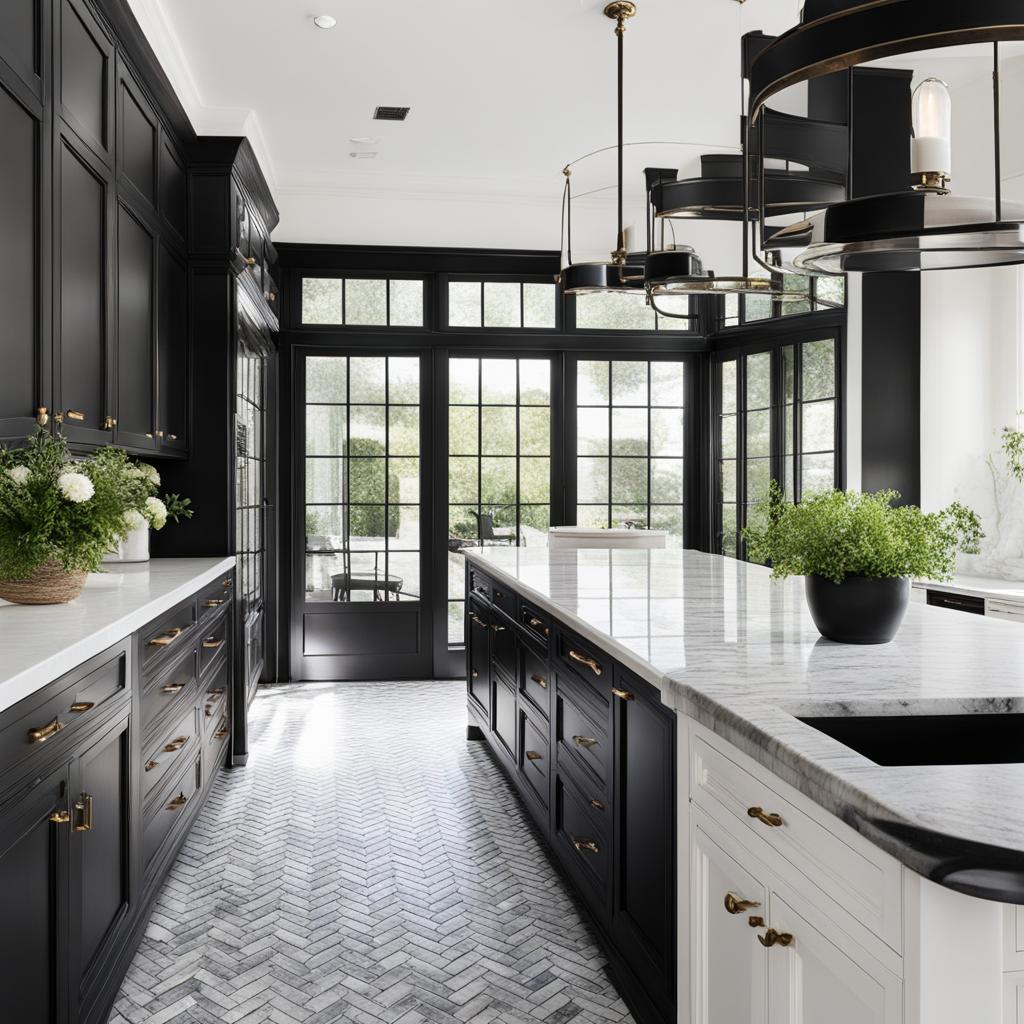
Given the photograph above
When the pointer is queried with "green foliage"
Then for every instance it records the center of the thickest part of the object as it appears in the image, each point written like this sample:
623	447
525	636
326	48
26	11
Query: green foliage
836	534
1013	449
73	512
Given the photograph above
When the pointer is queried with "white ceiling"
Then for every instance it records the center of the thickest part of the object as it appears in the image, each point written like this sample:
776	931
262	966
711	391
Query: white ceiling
502	95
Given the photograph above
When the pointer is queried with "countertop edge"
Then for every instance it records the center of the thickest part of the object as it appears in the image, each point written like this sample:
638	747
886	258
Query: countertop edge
30	680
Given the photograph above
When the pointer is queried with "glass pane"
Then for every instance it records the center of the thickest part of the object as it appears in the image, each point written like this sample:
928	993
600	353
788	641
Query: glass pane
366	429
456	574
592	431
535	431
536	521
404	380
729	386
366	528
463	438
366	302
729	529
534	381
759	474
629	431
831	291
818	426
325	525
498	430
321	300
591	480
667	384
464	304
498	382
729	437
606	311
325	429
668	517
629	481
463	484
366	382
462	523
497	483
535	480
463	381
592	516
629	383
325	480
729	480
501	304
366	481
456	623
592	382
758	307
539	305
819	369
789	418
679	305
622	514
666	431
406	303
667	481
759	433
404	567
788	374
817	473
404	430
325	379
759	379
404	481
404	527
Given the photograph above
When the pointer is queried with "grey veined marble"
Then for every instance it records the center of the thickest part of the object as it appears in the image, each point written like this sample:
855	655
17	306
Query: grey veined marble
739	652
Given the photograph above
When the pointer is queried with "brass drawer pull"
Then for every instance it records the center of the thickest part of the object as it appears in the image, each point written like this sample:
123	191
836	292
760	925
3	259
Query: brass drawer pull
178	802
81	706
172	437
42	734
586	742
736	905
497	628
774	938
221	733
214	602
772	820
586	844
74	414
533	755
597	805
172	688
478	621
83	805
584	660
150	765
60	817
175	745
249	261
540	681
211	643
622	694
167	637
109	423
536	623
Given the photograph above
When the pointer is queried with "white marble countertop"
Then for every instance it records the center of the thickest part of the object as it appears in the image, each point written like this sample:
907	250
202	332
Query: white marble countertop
738	651
978	586
39	643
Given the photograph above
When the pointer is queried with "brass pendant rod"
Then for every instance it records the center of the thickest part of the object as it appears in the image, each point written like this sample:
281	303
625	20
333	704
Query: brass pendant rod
620	31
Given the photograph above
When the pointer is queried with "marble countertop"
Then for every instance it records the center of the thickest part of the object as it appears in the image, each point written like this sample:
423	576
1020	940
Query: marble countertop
978	586
739	652
39	643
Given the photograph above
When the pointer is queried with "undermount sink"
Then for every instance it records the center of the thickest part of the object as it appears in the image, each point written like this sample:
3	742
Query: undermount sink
892	740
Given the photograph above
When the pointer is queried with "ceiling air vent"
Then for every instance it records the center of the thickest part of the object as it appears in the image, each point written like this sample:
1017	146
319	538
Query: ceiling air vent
391	113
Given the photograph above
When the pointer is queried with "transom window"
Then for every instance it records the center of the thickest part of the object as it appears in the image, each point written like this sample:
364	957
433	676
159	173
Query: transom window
802	295
606	311
362	302
527	305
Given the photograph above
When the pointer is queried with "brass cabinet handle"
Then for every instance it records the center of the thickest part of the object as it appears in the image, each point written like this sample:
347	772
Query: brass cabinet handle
535	623
586	844
109	422
774	938
227	583
540	681
60	817
736	905
43	733
172	437
586	742
83	805
150	765
622	694
533	755
81	706
214	602
222	732
584	660
74	414
597	805
178	802
42	418
172	688
478	621
175	745
755	922
249	261
497	628
772	820
167	637
211	643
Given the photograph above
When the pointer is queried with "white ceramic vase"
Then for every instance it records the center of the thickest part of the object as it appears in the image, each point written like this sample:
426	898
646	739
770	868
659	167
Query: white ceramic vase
134	548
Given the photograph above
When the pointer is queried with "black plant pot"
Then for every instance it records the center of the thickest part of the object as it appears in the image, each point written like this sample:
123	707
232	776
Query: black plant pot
860	610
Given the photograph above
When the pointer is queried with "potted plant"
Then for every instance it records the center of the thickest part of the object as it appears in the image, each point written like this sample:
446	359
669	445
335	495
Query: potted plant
58	517
858	553
147	511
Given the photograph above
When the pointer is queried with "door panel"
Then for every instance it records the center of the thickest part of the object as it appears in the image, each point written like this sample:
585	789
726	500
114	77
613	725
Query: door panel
20	30
86	77
137	153
172	351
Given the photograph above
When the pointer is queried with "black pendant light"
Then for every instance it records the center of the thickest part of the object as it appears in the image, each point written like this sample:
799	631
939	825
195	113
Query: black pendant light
924	227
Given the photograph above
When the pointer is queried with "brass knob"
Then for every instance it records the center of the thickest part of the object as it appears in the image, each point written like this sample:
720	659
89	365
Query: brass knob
622	694
158	433
44	732
597	805
535	623
772	820
42	418
584	660
755	922
172	437
273	296
736	905
533	755
586	844
586	742
60	817
540	681
150	765
81	706
774	938
179	801
249	261
109	423
83	805
475	674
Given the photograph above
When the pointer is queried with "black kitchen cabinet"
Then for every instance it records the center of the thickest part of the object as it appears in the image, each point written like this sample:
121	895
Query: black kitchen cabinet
478	650
173	355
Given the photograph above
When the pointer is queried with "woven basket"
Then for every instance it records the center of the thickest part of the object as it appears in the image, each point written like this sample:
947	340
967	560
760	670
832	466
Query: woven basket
49	584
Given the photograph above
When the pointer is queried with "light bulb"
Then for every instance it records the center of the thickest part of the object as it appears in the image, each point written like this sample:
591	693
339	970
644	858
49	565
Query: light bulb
931	147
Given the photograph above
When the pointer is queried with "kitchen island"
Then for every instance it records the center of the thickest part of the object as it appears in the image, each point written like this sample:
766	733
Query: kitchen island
898	873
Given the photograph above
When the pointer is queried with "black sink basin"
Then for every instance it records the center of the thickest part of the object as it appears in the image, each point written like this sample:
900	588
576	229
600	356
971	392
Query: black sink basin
929	739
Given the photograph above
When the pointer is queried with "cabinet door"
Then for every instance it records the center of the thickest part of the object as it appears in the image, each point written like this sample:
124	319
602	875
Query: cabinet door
729	969
643	917
100	805
172	352
136	374
33	907
822	977
479	663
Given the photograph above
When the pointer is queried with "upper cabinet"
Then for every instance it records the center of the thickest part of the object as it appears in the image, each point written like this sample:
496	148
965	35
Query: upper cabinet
22	30
85	78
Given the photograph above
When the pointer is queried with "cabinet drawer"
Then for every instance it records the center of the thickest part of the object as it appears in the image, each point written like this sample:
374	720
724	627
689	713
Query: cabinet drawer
958	602
534	758
171	685
581	838
479	584
214	643
175	746
215	596
215	747
503	647
859	877
505	599
477	658
537	624
585	661
504	724
169	812
584	743
50	718
215	697
169	633
534	682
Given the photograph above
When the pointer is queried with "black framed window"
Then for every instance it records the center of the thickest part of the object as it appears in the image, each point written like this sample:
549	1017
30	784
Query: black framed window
250	472
501	304
606	311
363	302
801	295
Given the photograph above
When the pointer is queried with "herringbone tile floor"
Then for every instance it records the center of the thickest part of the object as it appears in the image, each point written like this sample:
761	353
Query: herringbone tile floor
367	865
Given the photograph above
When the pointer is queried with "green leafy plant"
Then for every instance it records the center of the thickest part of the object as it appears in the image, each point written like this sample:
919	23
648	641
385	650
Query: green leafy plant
73	512
1013	449
837	534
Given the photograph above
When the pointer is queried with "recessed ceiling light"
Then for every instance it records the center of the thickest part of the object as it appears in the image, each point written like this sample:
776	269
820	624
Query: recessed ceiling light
363	155
325	21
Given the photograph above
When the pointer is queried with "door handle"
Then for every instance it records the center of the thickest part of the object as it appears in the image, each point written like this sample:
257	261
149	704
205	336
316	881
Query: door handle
83	806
